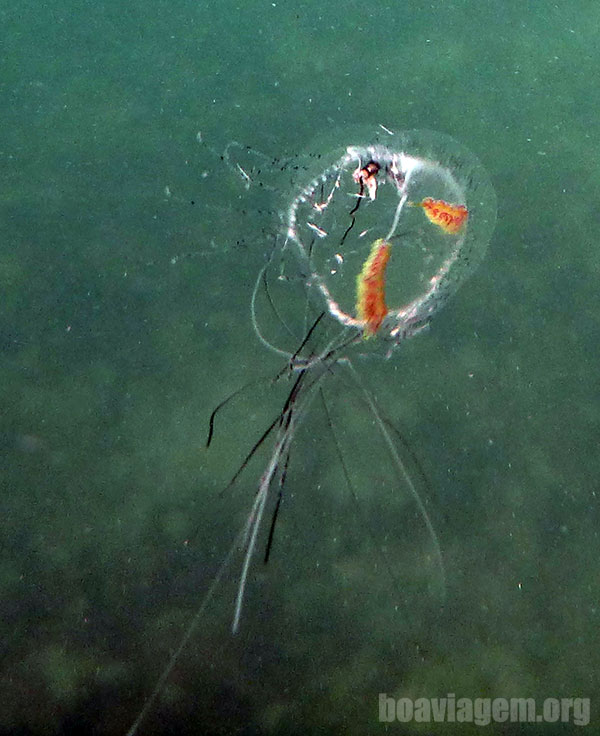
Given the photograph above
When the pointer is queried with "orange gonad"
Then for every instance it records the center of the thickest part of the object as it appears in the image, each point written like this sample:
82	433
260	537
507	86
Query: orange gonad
451	218
370	287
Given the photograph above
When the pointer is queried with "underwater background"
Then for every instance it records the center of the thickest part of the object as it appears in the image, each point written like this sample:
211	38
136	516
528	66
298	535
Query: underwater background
128	255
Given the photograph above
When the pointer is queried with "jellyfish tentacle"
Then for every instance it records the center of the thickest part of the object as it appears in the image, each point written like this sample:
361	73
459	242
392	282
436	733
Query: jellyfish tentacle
402	472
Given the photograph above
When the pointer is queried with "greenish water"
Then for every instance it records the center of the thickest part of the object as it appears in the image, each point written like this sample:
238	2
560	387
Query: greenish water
128	253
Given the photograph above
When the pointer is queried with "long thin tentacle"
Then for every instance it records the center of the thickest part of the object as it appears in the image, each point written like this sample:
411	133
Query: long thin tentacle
402	471
222	404
354	496
257	331
294	411
160	684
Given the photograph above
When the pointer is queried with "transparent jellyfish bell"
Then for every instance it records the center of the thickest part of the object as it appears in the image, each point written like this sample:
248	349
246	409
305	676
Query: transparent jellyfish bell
380	188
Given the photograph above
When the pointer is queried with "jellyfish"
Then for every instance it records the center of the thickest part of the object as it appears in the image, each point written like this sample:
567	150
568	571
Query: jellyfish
373	272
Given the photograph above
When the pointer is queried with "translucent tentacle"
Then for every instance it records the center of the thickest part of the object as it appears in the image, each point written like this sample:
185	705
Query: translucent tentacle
402	471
